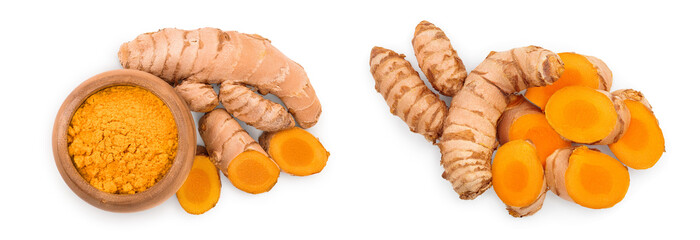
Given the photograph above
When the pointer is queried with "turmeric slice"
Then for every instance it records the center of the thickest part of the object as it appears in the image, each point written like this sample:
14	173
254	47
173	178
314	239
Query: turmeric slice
586	115
523	120
201	190
236	154
587	177
579	70
295	150
518	178
643	143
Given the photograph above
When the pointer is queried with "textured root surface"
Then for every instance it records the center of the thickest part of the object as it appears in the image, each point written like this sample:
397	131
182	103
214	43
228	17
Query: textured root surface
469	134
437	59
201	190
556	166
200	97
224	138
252	108
580	70
212	56
406	94
295	150
643	143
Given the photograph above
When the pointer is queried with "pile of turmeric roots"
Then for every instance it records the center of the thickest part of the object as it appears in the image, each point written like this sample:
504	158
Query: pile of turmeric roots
545	135
193	61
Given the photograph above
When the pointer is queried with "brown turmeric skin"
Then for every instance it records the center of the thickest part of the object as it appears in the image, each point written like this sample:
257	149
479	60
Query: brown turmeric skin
122	139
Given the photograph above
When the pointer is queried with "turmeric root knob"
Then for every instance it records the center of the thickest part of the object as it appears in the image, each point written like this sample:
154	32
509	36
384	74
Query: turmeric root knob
437	59
295	150
201	190
206	56
586	115
236	154
643	143
587	177
518	178
579	70
406	94
469	135
523	120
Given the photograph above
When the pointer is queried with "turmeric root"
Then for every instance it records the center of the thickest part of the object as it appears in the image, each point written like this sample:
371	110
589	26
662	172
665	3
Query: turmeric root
201	190
579	70
587	177
236	154
208	56
523	120
643	143
586	115
518	178
469	134
406	94
295	150
437	59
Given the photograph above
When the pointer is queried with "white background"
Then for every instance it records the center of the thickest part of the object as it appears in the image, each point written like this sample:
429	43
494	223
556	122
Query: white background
381	180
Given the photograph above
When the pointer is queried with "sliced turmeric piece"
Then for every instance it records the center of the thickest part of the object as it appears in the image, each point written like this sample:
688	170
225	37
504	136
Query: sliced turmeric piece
586	115
523	120
295	150
579	70
201	190
587	177
236	154
518	178
643	143
253	172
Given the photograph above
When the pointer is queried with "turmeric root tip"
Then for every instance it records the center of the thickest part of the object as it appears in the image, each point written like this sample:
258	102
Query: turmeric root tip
523	120
296	151
253	172
201	190
585	115
643	143
579	70
518	178
595	180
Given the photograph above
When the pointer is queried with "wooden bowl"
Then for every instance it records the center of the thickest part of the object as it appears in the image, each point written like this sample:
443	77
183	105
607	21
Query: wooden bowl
165	187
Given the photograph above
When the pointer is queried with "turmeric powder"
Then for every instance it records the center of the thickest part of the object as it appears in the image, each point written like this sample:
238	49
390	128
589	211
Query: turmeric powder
122	139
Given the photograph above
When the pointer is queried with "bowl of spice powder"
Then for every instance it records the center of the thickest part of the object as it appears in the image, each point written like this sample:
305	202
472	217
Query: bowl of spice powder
124	141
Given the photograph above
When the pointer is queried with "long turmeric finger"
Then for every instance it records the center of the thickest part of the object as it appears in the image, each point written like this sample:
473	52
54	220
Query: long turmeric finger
406	94
437	59
469	135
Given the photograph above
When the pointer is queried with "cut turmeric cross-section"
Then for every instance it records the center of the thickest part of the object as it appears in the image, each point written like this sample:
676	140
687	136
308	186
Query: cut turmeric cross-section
518	178
295	150
588	177
201	190
586	115
236	154
579	70
523	120
643	143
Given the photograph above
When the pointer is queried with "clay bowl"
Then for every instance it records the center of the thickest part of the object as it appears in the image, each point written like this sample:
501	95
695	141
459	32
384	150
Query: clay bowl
165	187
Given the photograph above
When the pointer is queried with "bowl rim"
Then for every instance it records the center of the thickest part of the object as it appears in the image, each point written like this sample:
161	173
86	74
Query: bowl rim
166	186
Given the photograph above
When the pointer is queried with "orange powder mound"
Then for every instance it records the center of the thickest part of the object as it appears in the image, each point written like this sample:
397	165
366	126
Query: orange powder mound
122	139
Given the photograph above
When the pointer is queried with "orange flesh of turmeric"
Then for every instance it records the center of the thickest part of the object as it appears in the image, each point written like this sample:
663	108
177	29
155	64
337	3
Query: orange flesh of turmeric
253	172
578	71
534	127
643	143
581	114
201	190
517	173
595	180
297	152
